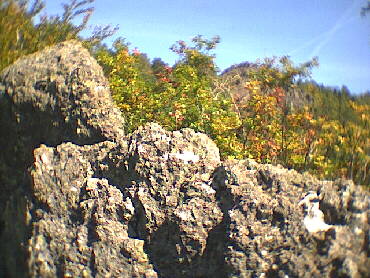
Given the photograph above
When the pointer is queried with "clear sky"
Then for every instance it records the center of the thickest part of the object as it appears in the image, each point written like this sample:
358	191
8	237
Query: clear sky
333	30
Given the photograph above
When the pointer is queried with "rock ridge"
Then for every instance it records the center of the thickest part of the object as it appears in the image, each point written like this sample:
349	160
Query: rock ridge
80	198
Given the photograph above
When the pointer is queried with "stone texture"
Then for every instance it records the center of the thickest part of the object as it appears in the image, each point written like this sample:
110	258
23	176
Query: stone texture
89	201
50	97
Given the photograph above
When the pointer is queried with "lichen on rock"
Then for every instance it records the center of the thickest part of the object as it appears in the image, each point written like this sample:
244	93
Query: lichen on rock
79	198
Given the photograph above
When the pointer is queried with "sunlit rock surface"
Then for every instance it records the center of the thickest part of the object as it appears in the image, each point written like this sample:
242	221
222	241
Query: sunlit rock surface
79	198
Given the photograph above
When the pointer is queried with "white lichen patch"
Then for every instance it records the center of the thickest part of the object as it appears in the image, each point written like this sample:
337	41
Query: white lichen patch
141	149
45	159
100	88
314	218
208	189
128	205
184	215
185	156
92	184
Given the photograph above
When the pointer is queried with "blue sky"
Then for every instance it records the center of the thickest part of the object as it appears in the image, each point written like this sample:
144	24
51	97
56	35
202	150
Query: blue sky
333	30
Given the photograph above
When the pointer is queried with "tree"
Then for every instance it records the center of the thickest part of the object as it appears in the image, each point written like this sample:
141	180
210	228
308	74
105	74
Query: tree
158	66
181	96
20	35
272	129
340	146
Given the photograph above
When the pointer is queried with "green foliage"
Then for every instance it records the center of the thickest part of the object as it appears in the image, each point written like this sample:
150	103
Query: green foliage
341	145
21	35
272	131
328	136
128	81
180	96
158	66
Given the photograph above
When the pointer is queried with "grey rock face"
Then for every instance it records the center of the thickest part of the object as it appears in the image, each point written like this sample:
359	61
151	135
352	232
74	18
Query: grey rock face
50	97
86	200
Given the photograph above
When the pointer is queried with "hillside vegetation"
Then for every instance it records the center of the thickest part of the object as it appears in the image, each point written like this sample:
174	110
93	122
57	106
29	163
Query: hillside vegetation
269	111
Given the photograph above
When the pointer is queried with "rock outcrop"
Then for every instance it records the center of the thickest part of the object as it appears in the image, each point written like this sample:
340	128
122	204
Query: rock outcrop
235	77
79	198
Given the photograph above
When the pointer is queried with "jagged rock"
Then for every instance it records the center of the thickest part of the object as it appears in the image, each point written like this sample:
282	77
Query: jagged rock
154	203
56	95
